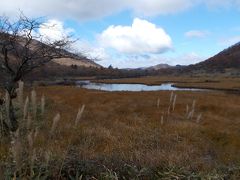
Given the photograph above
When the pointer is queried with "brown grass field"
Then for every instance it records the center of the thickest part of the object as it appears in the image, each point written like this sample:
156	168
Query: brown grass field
137	129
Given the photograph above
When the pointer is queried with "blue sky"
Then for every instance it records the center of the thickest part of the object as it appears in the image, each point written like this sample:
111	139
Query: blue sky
139	33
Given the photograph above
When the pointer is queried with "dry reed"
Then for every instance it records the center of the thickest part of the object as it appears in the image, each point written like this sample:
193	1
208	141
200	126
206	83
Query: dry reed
56	119
34	104
43	105
20	95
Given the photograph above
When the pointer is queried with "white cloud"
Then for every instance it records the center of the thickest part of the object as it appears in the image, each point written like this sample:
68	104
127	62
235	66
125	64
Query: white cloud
196	34
90	9
158	7
91	51
54	30
142	37
222	3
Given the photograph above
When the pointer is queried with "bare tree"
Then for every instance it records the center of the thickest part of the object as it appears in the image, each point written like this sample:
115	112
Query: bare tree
22	49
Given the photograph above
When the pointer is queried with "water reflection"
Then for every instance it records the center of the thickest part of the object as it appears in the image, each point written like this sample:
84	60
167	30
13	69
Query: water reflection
130	87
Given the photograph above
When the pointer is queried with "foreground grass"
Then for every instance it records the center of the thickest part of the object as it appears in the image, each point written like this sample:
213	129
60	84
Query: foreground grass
134	135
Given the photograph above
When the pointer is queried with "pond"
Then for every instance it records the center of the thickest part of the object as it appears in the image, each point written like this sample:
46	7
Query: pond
131	87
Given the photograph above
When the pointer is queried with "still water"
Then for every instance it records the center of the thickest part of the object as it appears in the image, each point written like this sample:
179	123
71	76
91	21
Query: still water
131	87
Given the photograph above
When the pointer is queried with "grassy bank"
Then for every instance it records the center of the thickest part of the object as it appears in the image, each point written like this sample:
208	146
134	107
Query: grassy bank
142	134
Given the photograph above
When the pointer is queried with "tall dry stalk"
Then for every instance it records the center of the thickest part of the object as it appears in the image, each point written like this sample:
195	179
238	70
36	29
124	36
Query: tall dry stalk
20	95
187	110
158	103
191	113
56	119
162	120
78	117
1	123
16	148
199	117
43	103
29	122
25	109
34	104
174	102
7	108
170	103
31	151
23	147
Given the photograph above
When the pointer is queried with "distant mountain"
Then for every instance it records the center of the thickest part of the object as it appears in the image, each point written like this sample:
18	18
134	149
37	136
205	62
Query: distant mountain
159	66
227	59
156	67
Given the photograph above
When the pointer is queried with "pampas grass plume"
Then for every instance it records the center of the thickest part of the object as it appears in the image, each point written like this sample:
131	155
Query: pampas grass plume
56	119
79	115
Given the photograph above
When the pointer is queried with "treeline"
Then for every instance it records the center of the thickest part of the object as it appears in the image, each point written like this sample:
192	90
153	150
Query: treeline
54	71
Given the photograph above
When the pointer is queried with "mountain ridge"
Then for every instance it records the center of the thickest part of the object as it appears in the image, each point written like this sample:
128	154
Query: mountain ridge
226	59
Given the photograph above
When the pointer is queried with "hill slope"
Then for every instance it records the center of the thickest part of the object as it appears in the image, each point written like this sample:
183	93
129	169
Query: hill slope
159	66
227	59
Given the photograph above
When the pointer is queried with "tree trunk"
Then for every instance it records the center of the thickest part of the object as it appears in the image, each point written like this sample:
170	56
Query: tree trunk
11	89
12	117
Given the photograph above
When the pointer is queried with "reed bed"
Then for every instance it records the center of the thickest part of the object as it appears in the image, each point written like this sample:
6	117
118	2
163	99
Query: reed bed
124	135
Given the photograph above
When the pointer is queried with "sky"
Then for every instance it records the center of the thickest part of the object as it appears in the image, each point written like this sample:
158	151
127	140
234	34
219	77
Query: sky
137	33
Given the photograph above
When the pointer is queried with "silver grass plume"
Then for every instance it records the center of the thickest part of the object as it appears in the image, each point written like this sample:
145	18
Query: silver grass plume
36	133
1	123
47	156
193	108
187	110
174	102
199	118
158	102
30	140
79	115
29	121
25	109
34	104
20	94
16	149
56	119
43	105
7	106
162	120
191	113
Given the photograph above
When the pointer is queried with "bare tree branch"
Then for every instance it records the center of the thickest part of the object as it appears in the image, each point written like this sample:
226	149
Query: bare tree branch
23	49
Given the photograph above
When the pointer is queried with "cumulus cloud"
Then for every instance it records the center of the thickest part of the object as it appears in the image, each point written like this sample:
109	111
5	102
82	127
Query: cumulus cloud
196	34
158	7
91	51
54	30
90	9
142	37
76	9
222	3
